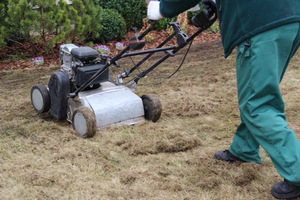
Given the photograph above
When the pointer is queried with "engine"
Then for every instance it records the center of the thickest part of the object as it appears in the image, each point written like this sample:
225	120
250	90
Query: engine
78	64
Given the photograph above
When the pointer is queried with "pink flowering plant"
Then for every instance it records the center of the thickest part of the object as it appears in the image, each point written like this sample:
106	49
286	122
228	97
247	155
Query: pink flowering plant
38	60
102	49
120	46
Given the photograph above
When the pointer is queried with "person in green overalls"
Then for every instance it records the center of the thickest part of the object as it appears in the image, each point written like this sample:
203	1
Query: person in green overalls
267	34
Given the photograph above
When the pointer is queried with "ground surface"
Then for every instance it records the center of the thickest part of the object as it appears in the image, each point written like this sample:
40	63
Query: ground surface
42	158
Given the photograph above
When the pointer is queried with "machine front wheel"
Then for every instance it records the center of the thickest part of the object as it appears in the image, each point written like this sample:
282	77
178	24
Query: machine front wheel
152	107
40	98
84	122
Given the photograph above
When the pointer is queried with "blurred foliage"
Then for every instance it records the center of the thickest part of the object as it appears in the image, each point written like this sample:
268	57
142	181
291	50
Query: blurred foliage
133	11
47	22
163	24
114	26
214	28
3	24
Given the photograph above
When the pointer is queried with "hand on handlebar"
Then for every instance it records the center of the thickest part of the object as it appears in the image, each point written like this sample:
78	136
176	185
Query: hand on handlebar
153	11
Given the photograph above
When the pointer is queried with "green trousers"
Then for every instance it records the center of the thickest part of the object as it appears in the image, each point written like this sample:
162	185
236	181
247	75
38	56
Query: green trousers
260	65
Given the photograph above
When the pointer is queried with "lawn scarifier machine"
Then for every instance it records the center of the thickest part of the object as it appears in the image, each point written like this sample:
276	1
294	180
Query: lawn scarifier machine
84	93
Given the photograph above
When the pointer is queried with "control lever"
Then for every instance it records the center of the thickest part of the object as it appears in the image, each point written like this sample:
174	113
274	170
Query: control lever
201	20
206	17
182	37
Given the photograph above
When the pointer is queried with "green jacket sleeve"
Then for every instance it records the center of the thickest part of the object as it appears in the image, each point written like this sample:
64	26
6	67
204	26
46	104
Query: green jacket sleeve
172	8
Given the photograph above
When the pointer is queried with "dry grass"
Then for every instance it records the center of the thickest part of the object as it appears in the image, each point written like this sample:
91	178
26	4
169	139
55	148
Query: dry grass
42	158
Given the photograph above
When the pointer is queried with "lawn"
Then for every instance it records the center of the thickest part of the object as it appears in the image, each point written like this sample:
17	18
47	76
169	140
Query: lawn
172	159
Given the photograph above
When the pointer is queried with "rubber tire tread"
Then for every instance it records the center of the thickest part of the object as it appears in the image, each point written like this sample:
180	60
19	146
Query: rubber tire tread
46	98
152	107
90	120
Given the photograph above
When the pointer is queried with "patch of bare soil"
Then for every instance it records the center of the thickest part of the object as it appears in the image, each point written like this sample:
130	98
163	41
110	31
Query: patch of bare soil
249	172
173	143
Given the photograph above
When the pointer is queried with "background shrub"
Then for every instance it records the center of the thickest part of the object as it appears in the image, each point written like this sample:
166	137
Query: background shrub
3	25
133	11
114	26
22	17
40	22
87	20
163	24
45	23
7	36
214	28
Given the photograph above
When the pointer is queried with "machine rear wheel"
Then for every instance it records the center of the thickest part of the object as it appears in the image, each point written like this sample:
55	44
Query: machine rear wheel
84	122
152	107
40	98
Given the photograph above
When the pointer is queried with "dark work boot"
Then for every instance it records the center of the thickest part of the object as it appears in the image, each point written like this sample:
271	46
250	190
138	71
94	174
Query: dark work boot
227	156
285	190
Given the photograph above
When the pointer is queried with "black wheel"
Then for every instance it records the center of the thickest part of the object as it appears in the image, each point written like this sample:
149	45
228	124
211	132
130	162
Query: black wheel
40	98
84	122
152	107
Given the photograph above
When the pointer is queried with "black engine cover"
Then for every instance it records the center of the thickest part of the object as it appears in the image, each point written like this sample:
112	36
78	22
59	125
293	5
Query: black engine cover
86	72
59	89
84	53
